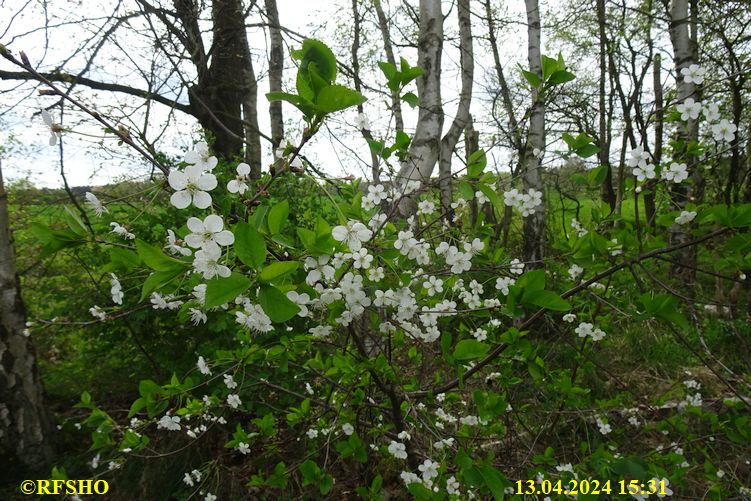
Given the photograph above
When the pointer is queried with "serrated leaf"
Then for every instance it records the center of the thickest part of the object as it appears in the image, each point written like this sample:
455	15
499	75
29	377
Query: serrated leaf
250	246
224	290
470	349
74	222
333	98
411	99
532	78
276	305
560	77
277	270
476	163
155	259
158	280
587	150
546	299
278	217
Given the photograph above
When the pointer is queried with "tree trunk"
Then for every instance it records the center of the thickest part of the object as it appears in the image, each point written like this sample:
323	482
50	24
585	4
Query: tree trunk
276	72
375	171
649	202
606	192
448	143
683	57
383	26
534	224
225	98
24	423
426	143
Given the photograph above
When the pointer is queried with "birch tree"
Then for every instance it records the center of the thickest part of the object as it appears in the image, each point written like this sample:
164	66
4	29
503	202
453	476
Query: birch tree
534	224
425	147
24	423
462	118
683	57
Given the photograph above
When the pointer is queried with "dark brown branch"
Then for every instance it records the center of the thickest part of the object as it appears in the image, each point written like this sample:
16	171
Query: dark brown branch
95	84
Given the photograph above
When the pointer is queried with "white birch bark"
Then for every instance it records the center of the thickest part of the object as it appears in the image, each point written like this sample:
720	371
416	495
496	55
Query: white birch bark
425	146
534	224
448	143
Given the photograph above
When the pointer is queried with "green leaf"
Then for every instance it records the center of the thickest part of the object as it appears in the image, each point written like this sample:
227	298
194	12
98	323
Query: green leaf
391	73
587	150
224	290
310	472
250	246
278	269
532	78
158	280
597	175
124	258
318	55
469	349
532	281
155	259
276	305
278	217
402	140
74	222
546	299
411	99
561	76
493	480
335	98
549	66
466	191
476	163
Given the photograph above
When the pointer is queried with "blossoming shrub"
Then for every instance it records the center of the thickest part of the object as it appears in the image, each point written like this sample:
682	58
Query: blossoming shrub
361	352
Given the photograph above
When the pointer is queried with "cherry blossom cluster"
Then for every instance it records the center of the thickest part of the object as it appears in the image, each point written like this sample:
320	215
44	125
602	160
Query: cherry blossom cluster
526	203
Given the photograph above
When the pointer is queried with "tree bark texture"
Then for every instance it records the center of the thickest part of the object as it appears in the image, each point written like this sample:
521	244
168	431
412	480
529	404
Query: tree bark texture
24	423
425	146
461	120
683	57
276	72
607	193
534	224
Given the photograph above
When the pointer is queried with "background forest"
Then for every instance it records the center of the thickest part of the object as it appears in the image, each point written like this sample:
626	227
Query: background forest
433	250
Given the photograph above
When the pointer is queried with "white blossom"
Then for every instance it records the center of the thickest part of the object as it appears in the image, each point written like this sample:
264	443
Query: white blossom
240	183
95	204
724	131
693	74
685	217
353	234
689	109
192	186
201	157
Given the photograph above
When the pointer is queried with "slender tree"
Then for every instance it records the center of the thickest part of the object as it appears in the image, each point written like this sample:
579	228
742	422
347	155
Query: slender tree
425	147
534	224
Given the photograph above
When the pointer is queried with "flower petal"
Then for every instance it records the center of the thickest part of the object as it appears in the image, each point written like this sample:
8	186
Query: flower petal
201	199
180	199
206	182
177	180
243	169
213	223
196	225
339	233
192	157
194	240
224	237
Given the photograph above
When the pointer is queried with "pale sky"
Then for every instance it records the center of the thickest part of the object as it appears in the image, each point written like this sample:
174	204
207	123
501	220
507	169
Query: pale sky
87	163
